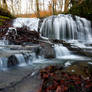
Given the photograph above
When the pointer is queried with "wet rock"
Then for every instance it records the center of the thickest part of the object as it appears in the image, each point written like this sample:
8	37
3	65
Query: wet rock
80	68
12	61
74	49
20	35
47	50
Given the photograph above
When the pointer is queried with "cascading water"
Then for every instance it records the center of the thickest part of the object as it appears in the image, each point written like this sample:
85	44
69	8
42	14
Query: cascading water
61	51
3	60
72	29
61	27
3	63
67	27
21	59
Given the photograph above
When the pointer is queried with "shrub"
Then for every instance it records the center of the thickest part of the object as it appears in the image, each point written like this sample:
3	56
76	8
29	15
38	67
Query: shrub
83	10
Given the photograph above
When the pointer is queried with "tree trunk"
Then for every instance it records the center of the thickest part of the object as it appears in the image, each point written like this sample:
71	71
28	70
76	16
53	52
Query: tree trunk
66	5
4	4
37	8
60	4
0	3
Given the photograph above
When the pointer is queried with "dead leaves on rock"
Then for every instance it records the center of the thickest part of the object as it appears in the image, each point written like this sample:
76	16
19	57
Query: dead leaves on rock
55	80
23	35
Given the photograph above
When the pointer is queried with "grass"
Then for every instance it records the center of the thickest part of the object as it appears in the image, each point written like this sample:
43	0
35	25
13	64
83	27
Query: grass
3	17
1	23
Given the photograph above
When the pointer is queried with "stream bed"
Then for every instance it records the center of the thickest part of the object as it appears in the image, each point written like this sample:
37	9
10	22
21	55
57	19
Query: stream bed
20	64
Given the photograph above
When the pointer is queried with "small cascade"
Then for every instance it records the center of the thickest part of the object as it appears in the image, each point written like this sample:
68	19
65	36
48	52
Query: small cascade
61	51
67	27
72	29
3	63
21	59
64	54
3	43
29	57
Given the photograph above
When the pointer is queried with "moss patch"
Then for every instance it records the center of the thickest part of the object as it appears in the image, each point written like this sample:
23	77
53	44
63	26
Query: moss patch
1	24
6	13
3	17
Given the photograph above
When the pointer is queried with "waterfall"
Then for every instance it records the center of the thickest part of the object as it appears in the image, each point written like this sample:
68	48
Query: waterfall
67	27
31	23
72	29
3	43
20	59
61	51
75	30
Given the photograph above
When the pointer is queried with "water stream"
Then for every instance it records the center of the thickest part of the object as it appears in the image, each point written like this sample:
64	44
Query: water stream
61	51
67	27
73	29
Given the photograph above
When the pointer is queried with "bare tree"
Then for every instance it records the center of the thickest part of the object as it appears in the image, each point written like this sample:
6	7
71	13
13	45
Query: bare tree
4	4
54	2
0	3
50	8
32	5
12	6
43	5
61	4
66	5
37	8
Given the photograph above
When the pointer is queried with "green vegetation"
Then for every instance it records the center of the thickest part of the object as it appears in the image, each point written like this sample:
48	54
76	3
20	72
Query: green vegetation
5	12
1	24
84	9
4	16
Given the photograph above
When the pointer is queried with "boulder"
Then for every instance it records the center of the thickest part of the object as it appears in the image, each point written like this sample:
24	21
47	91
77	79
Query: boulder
47	50
12	61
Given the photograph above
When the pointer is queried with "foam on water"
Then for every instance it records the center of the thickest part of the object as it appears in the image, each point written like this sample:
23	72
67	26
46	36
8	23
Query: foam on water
32	23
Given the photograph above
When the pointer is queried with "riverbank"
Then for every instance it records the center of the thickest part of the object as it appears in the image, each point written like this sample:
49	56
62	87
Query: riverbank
73	78
48	76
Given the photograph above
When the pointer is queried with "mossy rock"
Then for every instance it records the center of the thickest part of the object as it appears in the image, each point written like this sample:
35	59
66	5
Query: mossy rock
4	13
4	17
80	68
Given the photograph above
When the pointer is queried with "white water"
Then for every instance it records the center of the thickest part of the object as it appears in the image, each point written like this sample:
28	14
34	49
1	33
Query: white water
21	59
76	31
61	51
73	29
64	54
32	23
3	63
66	27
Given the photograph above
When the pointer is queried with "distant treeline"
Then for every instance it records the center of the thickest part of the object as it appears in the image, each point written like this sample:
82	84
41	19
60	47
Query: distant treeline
83	9
40	9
